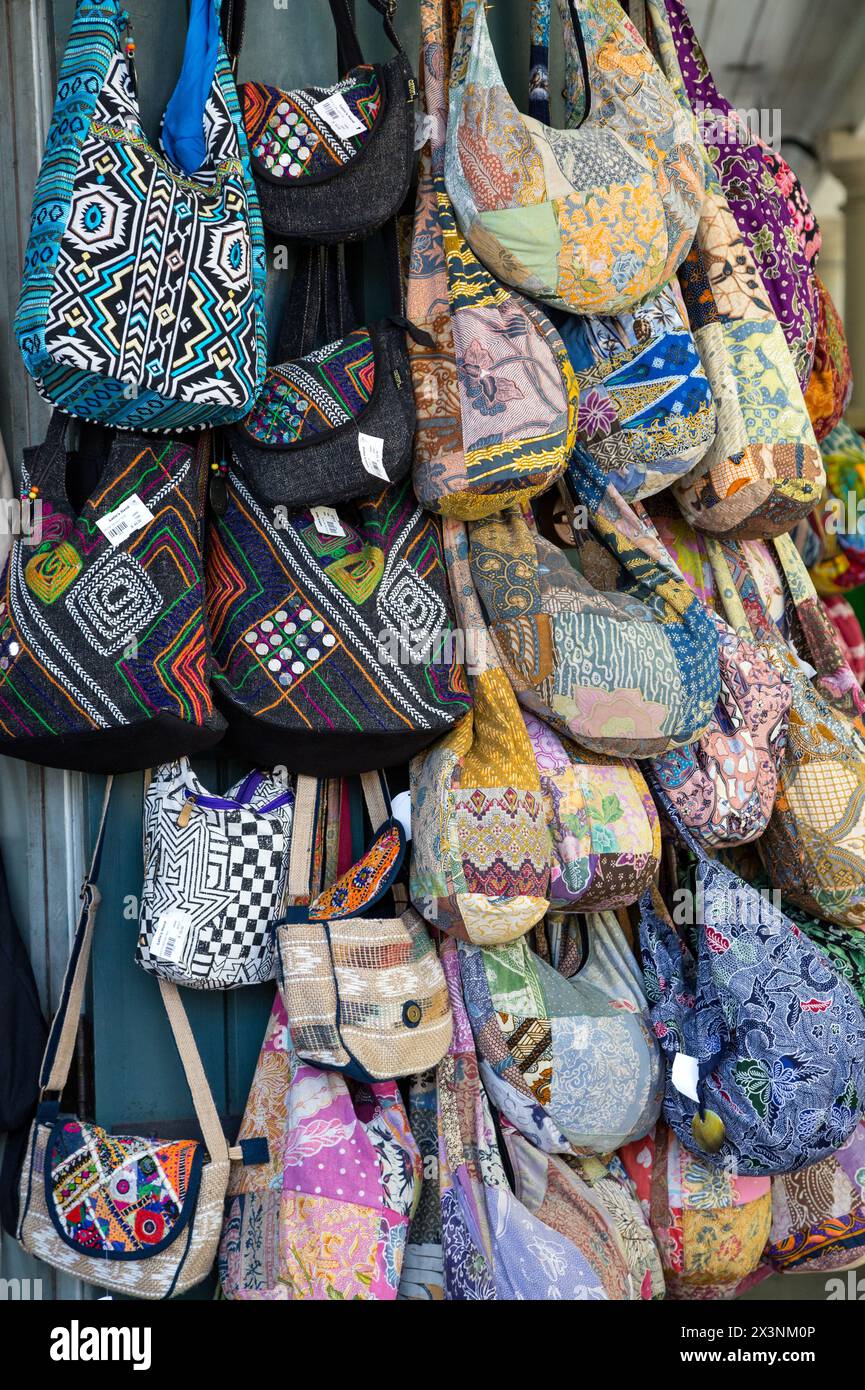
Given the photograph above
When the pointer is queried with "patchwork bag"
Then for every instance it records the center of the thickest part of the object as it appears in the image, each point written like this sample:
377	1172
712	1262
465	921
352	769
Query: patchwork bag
332	637
215	875
319	1205
104	652
812	846
607	1176
493	1247
605	830
137	1216
629	673
818	1214
480	864
764	1042
143	297
570	1061
332	164
830	384
763	471
763	194
496	396
592	218
335	418
710	1225
363	993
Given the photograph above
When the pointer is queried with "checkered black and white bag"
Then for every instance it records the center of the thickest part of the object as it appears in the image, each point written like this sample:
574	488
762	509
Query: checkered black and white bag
215	872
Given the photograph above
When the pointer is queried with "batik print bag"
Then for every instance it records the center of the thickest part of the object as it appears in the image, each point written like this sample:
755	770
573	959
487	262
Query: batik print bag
608	1178
332	638
496	396
773	1073
215	875
493	1247
763	471
319	1205
422	1277
592	218
812	846
818	1214
332	164
763	194
480	865
137	1216
570	1060
603	824
606	643
104	652
363	991
830	384
143	297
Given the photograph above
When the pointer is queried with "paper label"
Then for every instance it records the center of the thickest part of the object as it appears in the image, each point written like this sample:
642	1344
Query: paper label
125	520
372	455
169	939
806	667
685	1075
326	521
336	112
400	807
424	125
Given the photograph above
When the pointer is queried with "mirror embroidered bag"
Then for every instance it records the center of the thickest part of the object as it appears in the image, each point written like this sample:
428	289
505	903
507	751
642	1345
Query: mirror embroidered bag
215	875
142	303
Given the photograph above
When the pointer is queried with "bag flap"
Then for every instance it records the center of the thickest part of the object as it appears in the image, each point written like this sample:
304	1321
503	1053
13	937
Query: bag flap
312	133
365	883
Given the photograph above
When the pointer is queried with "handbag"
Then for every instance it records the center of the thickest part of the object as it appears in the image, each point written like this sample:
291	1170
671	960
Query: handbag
593	218
332	164
319	1204
422	1276
818	1214
496	396
830	385
364	993
143	297
215	874
848	631
812	844
332	638
335	419
570	1059
104	651
764	195
764	1041
763	472
603	823
480	863
137	1216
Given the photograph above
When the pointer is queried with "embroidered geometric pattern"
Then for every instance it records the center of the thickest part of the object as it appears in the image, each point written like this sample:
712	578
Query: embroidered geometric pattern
314	394
363	883
289	139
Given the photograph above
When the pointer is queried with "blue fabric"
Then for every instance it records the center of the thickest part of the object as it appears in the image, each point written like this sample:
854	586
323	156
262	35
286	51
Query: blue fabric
183	128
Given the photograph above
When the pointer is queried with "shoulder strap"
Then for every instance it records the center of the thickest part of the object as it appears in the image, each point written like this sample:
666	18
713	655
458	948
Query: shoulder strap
319	308
57	1061
307	801
727	591
350	52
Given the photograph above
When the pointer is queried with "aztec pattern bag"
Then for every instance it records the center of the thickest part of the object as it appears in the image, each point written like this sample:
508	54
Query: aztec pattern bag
818	1214
493	1247
763	472
364	994
332	637
812	845
603	823
215	874
763	194
592	218
496	396
137	1216
830	384
773	1073
104	652
570	1059
332	164
627	674
143	298
710	1226
480	865
319	1207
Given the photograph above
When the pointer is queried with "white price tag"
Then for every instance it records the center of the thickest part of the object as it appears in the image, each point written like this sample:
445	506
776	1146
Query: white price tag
336	112
424	126
125	520
326	521
806	667
400	808
169	939
372	455
685	1075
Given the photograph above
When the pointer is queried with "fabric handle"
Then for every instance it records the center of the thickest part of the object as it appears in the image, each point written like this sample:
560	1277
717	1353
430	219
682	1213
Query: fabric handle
729	594
539	97
306	802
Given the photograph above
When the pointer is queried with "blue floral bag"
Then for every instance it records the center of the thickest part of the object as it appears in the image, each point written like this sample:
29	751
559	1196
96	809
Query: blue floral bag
765	1043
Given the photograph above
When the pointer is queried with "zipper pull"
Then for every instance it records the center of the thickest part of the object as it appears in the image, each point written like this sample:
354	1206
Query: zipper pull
219	486
186	812
129	50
